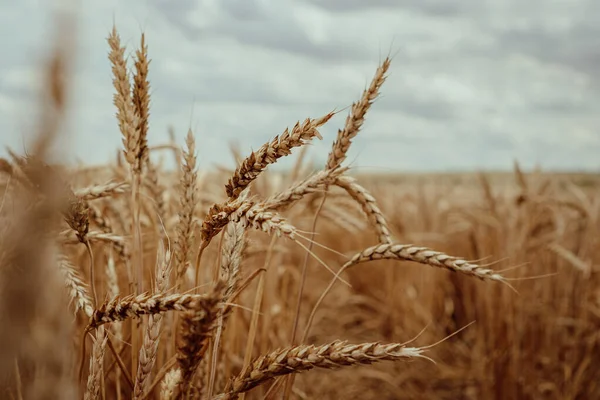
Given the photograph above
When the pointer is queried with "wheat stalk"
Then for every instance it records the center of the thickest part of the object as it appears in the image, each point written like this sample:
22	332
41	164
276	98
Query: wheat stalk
422	255
141	100
100	191
196	329
148	351
270	152
369	206
149	304
96	360
76	287
356	118
188	200
306	357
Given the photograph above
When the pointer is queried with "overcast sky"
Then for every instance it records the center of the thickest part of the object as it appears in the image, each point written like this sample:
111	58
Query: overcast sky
474	84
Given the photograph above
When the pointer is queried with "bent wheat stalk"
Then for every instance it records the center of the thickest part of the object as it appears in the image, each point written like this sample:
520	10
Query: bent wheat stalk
422	255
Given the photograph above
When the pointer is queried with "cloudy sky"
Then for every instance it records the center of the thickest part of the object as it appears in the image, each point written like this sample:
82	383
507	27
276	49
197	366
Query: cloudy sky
473	84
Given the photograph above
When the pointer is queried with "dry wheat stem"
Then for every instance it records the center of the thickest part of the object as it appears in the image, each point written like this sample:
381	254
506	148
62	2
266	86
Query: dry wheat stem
306	357
289	384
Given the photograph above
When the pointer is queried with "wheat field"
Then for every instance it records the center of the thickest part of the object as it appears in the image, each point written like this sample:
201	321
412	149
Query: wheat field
134	281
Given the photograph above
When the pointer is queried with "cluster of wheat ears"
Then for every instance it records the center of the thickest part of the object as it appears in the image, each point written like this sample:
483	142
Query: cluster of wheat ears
141	283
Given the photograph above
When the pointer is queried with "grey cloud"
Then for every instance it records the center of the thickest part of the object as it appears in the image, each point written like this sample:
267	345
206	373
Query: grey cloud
289	39
215	88
16	92
434	7
457	97
564	107
353	5
411	104
577	48
175	13
263	28
244	10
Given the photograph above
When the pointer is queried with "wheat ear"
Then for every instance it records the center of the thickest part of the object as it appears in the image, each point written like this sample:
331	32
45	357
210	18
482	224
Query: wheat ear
270	152
147	356
355	119
306	357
